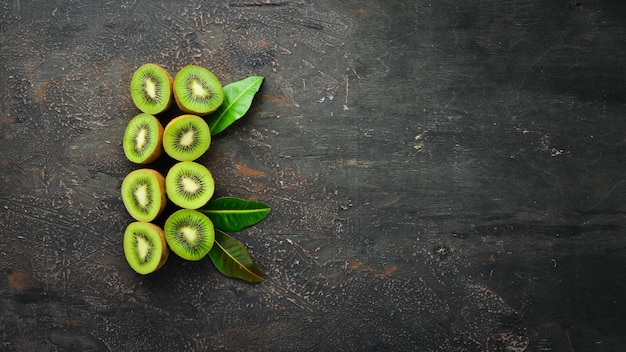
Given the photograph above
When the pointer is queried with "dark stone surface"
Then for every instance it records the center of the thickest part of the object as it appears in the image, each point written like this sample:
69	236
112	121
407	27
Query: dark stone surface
443	176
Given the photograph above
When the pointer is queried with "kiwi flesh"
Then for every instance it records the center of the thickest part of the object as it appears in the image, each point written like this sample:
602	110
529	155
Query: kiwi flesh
143	194
143	139
145	247
189	233
197	90
151	88
186	137
189	184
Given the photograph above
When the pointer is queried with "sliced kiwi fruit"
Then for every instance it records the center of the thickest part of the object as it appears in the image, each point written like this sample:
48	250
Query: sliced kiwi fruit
189	233
151	89
145	247
189	184
186	137
143	139
197	90
143	194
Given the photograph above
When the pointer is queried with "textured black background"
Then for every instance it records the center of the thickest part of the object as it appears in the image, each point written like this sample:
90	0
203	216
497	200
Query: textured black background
443	176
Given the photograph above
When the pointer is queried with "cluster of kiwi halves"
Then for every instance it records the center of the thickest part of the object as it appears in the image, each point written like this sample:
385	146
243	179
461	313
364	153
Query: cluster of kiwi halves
189	185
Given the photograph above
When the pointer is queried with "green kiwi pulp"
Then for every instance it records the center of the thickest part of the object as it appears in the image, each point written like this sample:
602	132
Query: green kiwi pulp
143	194
197	90
145	247
151	89
143	139
186	137
189	185
189	233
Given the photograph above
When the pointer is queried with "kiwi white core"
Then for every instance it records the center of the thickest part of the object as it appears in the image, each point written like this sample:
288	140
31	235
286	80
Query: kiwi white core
141	139
198	90
189	185
190	234
188	138
143	248
141	195
151	88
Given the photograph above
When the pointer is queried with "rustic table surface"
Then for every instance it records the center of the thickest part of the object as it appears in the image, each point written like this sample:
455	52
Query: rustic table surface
443	176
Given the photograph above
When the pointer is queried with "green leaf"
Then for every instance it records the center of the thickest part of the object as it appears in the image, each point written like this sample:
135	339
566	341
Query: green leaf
232	259
237	100
233	214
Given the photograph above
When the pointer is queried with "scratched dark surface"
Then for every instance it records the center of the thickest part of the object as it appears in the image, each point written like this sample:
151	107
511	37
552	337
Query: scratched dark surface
443	176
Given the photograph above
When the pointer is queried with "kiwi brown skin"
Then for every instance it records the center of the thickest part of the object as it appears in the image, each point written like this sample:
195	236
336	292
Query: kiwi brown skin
141	234
148	130
189	185
157	199
151	89
186	137
197	90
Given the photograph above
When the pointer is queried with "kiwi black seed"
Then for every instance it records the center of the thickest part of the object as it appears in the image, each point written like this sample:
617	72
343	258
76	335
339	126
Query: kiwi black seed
197	90
151	89
189	184
189	233
143	194
186	137
143	139
145	247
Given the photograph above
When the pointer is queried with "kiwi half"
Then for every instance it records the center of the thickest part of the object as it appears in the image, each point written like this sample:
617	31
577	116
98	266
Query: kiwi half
143	194
186	137
189	233
145	247
189	185
143	139
151	89
197	90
